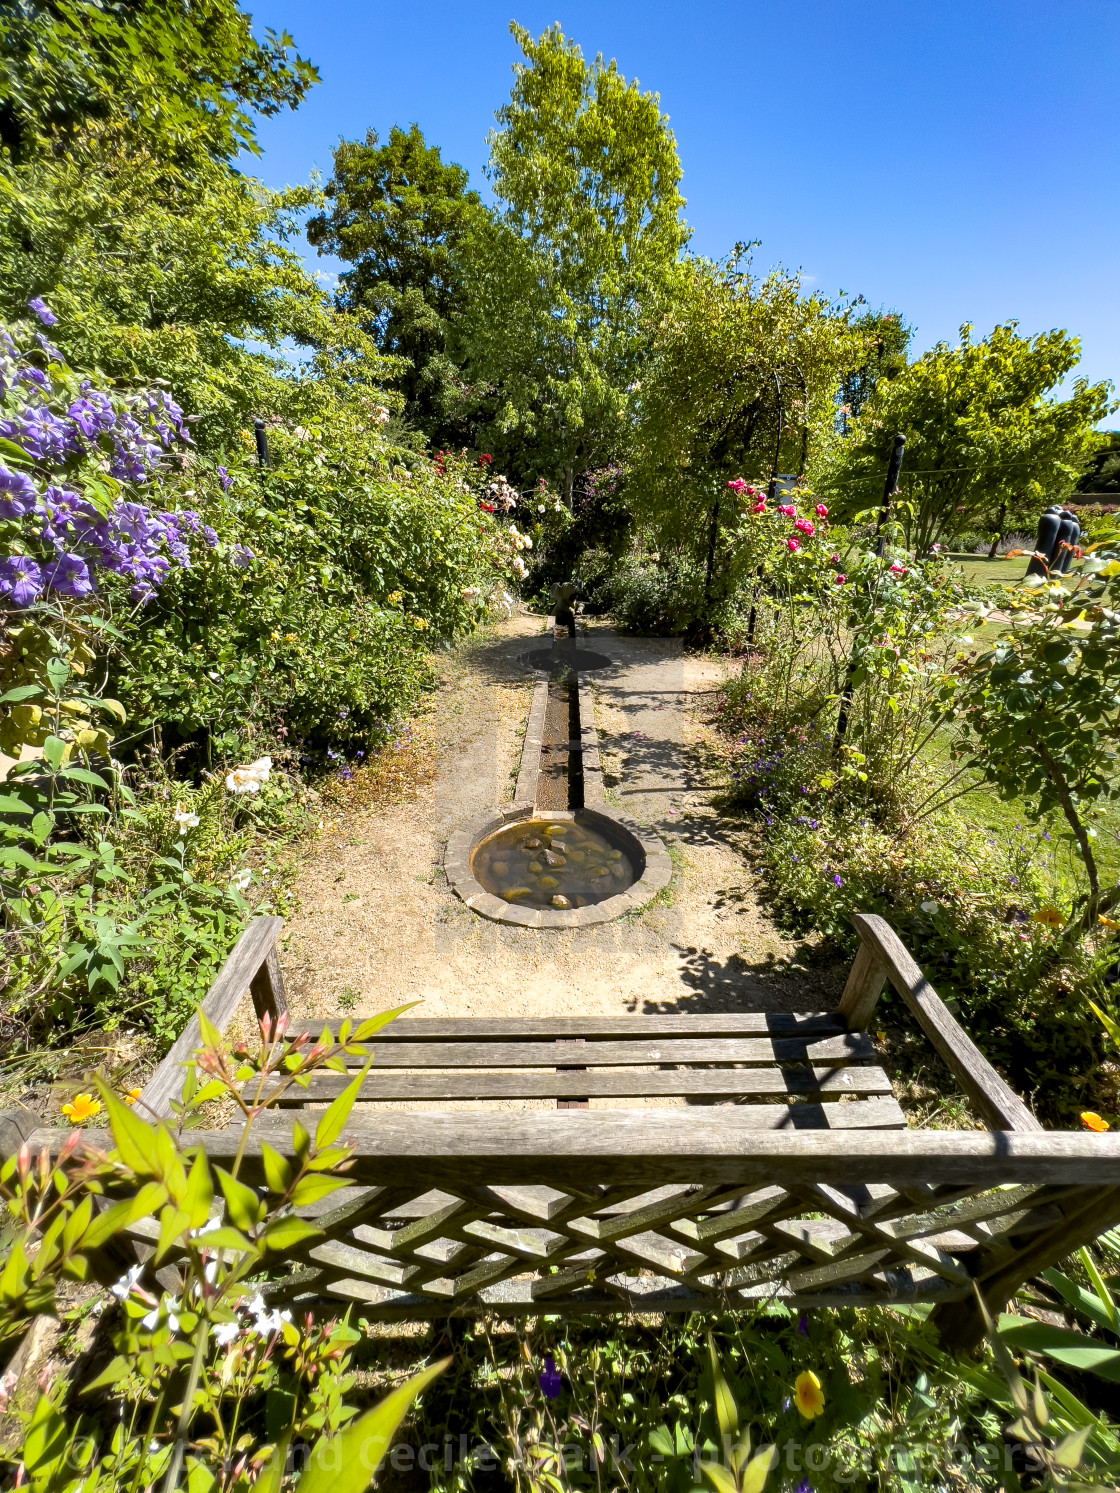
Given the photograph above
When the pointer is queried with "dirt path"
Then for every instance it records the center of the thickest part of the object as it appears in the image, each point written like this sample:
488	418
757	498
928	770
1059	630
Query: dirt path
378	926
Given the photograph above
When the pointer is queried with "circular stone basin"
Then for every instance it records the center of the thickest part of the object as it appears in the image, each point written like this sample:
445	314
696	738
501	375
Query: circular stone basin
538	863
601	863
546	661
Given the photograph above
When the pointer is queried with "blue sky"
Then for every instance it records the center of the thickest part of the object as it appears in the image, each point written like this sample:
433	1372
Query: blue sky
953	161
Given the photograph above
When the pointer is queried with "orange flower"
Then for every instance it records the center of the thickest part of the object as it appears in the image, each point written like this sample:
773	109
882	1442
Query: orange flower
132	1095
1108	922
81	1108
1093	1122
808	1395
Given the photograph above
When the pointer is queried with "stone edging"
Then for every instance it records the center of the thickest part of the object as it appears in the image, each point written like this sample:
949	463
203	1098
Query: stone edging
640	843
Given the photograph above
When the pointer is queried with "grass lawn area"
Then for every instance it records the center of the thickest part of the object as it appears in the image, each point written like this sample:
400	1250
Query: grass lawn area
978	570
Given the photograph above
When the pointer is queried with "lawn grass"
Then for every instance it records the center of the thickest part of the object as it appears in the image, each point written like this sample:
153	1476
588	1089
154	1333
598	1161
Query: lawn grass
978	570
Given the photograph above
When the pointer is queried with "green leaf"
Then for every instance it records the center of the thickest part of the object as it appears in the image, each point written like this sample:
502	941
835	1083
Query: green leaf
661	1441
375	1023
277	1171
346	1463
20	693
58	672
727	1412
286	1233
758	1470
719	1477
54	749
337	1113
10	805
146	1201
311	1188
245	1208
84	775
1069	1450
135	1140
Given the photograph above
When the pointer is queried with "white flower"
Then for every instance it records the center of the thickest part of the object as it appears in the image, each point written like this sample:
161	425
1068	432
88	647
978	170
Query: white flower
123	1287
266	1322
931	906
242	880
470	593
225	1332
526	542
184	819
166	1308
380	414
249	779
540	507
519	566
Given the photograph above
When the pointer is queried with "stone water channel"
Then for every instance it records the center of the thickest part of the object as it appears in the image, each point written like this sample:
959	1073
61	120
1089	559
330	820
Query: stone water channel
559	857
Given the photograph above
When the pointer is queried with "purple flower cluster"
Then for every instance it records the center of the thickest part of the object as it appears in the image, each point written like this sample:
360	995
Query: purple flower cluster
63	536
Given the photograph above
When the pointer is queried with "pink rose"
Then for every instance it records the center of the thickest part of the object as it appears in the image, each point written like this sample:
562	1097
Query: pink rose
899	569
834	559
788	509
841	580
737	485
793	545
821	511
806	527
760	506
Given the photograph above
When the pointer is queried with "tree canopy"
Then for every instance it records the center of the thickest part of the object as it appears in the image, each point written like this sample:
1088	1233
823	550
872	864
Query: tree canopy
586	174
984	428
401	217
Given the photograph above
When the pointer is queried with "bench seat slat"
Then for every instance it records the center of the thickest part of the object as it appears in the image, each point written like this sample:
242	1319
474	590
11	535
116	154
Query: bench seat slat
849	1047
596	1084
503	1029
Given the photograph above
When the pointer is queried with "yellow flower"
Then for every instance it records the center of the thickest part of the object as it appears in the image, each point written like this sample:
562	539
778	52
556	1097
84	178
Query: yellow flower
394	598
1092	1121
1108	922
808	1395
81	1108
1048	915
132	1095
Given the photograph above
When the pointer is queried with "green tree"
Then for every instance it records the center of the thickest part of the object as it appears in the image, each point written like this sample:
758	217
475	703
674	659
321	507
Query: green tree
401	217
986	433
585	170
182	78
120	203
741	380
887	340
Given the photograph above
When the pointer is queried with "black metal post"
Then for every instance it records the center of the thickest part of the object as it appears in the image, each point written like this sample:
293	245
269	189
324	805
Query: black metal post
262	443
890	488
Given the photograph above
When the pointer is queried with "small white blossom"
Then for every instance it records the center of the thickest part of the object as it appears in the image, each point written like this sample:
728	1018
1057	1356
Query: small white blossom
242	880
931	907
249	779
225	1332
183	818
123	1287
380	414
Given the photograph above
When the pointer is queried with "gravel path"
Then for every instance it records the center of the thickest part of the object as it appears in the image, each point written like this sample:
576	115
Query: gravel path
377	926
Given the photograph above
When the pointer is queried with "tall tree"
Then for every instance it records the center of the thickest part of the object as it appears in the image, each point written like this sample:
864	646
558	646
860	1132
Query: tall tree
986	433
401	217
585	170
120	202
742	380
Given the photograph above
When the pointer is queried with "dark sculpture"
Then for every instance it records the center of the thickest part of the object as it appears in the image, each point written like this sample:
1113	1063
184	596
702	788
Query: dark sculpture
1068	535
1056	527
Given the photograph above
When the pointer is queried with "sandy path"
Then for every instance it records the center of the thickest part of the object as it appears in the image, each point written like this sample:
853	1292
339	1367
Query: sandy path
378	927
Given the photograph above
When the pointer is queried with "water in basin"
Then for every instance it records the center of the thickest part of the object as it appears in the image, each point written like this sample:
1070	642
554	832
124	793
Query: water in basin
536	863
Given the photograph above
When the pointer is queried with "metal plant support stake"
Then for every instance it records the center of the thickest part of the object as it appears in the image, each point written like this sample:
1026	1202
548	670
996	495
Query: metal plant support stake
890	490
262	443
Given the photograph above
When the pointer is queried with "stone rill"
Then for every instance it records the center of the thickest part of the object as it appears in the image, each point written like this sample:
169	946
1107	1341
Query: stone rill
536	863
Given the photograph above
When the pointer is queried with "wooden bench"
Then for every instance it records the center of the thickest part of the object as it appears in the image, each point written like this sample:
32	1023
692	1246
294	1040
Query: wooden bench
667	1163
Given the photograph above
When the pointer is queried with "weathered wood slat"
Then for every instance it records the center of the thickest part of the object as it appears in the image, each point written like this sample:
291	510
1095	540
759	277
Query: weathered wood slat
514	1029
516	1084
999	1105
846	1048
251	966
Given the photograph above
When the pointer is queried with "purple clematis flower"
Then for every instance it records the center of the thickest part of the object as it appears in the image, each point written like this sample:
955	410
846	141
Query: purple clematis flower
42	311
550	1380
243	556
68	576
210	536
21	579
17	494
225	481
